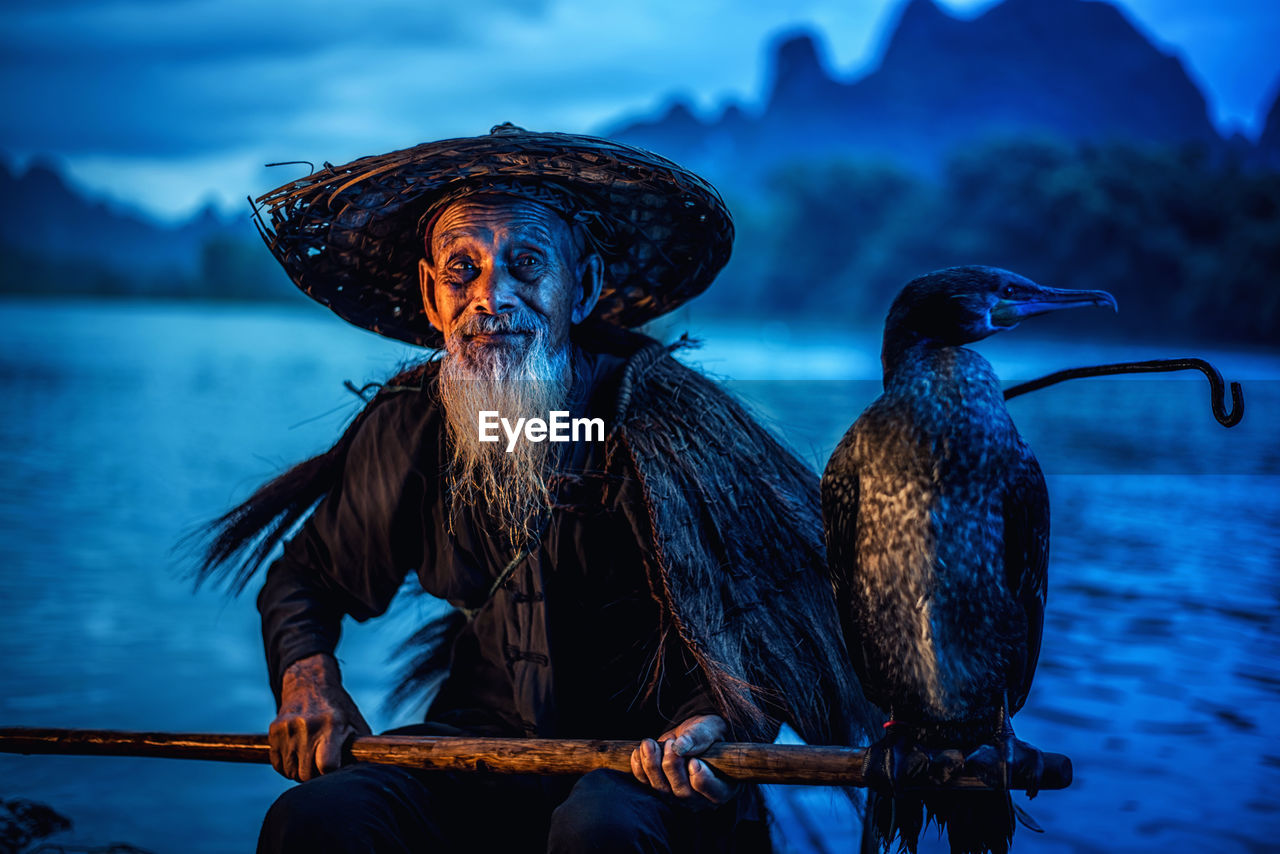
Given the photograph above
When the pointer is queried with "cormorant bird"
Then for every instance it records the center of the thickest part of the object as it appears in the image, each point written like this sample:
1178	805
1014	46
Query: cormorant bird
937	523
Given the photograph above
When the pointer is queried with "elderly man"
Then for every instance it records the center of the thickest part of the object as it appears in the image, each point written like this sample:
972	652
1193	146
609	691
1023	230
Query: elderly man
661	579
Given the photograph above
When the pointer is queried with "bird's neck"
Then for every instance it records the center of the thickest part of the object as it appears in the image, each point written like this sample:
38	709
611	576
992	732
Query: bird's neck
907	363
904	347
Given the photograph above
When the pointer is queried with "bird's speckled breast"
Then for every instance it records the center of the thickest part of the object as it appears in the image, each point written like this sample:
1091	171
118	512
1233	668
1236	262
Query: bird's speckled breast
930	456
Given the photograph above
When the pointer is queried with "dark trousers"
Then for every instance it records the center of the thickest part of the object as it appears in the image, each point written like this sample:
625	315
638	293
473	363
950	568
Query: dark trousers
372	808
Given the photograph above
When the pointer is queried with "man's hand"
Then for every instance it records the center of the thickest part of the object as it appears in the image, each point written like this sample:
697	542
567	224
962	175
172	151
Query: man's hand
316	718
667	764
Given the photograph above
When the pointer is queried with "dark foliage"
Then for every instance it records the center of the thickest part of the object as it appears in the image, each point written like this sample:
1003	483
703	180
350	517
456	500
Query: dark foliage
225	268
1188	242
1188	239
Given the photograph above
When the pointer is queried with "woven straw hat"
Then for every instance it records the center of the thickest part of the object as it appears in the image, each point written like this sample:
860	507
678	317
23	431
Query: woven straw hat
350	236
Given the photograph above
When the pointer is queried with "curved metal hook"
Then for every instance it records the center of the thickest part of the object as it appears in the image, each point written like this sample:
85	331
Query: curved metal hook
1217	388
309	164
1217	392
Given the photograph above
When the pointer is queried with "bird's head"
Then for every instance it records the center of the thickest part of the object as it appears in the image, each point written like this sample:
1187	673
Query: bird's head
960	305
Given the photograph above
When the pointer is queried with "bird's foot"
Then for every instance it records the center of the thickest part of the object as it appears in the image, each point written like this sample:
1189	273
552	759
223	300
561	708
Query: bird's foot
898	761
1008	763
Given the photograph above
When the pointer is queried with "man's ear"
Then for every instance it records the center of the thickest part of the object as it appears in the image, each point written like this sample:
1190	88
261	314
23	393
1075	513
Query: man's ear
426	283
591	282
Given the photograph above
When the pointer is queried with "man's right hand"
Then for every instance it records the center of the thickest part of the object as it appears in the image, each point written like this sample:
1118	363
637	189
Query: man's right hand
316	718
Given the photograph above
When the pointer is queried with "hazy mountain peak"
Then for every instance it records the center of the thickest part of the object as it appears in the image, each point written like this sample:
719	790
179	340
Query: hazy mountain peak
799	68
921	14
733	114
680	114
798	52
922	26
38	187
1269	142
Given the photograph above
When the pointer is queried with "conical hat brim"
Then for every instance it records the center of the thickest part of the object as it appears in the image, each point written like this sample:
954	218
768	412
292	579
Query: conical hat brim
348	236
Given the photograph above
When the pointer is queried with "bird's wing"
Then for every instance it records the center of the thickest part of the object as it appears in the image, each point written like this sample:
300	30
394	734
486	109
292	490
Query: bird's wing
1026	564
840	523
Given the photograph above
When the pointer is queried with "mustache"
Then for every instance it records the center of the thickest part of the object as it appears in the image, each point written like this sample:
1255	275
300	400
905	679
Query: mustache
496	324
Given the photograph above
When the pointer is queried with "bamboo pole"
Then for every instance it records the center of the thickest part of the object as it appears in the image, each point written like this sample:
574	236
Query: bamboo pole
745	762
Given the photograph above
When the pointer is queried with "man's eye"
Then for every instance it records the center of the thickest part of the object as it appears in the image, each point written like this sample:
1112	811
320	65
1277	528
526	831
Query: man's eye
526	261
462	264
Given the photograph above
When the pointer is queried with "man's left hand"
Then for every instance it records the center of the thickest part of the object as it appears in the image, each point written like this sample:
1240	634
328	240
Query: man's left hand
668	764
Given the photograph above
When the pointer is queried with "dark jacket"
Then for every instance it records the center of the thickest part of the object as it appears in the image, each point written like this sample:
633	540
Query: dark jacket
683	569
568	646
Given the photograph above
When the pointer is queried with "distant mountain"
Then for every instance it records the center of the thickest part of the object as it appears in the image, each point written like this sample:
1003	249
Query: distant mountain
1073	69
1053	73
54	240
41	213
1269	142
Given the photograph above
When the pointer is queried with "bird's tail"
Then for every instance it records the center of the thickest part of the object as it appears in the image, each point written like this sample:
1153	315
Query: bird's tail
974	822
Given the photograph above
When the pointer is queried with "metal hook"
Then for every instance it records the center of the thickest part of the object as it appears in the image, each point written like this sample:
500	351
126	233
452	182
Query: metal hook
1217	388
308	163
1217	391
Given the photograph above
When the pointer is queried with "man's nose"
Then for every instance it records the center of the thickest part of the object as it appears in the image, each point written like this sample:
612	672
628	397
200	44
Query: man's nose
494	291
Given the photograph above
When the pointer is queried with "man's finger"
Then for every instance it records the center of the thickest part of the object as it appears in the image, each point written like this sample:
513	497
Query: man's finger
276	737
697	737
651	761
289	741
306	765
302	750
329	752
706	783
306	754
289	761
637	767
673	768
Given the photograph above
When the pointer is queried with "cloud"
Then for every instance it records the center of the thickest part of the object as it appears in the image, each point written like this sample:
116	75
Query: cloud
197	76
220	31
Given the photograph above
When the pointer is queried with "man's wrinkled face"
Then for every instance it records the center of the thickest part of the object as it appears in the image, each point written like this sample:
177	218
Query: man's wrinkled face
499	270
503	281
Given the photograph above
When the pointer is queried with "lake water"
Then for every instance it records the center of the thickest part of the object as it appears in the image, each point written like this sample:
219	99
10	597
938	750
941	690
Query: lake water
125	426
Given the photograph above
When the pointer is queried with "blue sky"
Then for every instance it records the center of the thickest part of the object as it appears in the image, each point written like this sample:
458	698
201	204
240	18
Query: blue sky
167	104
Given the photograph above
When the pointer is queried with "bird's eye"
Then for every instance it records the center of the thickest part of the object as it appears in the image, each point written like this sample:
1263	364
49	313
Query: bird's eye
1006	291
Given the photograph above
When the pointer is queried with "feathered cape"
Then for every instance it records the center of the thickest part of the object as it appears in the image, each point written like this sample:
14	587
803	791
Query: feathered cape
737	554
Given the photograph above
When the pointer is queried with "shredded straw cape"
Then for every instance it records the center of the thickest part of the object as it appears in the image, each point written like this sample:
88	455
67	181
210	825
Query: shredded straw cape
350	236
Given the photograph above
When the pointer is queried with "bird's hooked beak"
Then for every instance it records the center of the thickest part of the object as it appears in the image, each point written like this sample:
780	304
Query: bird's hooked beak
1028	300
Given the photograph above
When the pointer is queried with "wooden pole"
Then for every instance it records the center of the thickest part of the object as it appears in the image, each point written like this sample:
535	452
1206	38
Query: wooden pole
754	763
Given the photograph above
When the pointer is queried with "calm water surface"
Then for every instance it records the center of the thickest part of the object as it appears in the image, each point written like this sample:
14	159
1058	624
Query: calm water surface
126	426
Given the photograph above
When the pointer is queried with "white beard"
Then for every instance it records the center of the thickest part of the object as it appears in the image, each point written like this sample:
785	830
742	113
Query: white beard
518	380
